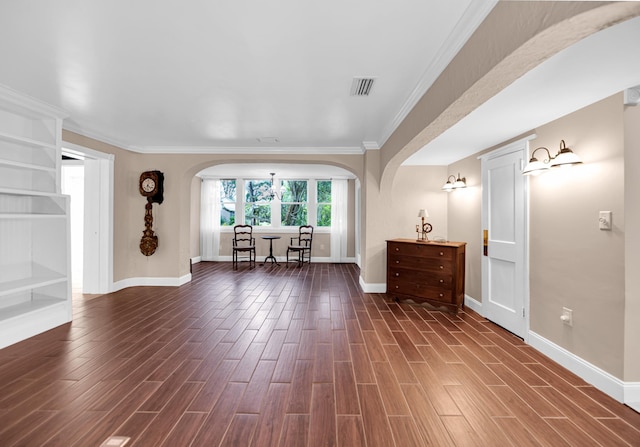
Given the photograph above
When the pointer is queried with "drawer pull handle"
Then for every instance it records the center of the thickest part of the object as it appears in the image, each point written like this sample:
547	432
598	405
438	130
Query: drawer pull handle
441	253
397	249
397	262
442	280
397	287
441	295
397	274
441	267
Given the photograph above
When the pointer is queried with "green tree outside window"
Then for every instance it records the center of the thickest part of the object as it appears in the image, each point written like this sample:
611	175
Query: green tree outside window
257	206
324	203
293	209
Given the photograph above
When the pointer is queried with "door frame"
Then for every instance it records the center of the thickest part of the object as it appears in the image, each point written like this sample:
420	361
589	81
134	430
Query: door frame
102	182
522	146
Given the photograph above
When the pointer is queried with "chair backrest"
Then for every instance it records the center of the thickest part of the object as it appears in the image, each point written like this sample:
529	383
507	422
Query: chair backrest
305	235
243	236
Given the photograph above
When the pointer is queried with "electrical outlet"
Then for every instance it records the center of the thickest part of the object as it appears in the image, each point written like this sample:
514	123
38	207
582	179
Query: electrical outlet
567	316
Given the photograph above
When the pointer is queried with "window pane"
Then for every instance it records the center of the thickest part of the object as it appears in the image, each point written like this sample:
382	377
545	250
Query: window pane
324	216
256	214
257	190
294	191
324	191
293	214
227	202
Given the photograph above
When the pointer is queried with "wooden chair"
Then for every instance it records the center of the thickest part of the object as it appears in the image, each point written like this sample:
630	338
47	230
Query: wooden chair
301	244
244	244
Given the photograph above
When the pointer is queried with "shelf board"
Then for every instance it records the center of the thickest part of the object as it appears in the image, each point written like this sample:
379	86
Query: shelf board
33	216
22	309
28	166
21	285
30	192
26	141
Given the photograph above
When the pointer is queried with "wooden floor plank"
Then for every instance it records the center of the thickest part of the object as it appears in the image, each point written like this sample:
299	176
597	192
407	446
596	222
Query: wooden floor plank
277	356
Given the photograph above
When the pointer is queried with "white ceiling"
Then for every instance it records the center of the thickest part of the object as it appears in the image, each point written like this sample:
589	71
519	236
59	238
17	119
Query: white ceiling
206	75
211	76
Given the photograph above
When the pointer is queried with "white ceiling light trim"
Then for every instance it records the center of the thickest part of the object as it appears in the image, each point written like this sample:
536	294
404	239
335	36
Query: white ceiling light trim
466	26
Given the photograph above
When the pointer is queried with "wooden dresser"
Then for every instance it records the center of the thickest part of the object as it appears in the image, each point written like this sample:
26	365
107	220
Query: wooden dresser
430	272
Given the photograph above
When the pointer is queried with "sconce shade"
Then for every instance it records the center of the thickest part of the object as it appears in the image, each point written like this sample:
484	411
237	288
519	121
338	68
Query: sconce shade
535	167
455	184
564	157
460	182
423	213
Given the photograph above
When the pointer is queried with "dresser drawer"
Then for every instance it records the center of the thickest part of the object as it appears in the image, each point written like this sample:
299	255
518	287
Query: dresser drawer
419	290
436	278
421	250
419	264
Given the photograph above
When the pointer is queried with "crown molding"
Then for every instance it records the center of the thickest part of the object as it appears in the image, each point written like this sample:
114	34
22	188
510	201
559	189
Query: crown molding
25	101
632	96
72	127
466	26
370	146
249	150
215	150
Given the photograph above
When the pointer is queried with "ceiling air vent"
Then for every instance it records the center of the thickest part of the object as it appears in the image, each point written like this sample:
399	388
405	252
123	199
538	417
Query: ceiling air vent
361	86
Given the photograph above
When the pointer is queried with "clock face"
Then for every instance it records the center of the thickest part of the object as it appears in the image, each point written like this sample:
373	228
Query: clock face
148	185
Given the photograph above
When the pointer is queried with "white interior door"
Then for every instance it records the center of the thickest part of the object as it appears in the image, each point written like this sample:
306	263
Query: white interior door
504	264
97	236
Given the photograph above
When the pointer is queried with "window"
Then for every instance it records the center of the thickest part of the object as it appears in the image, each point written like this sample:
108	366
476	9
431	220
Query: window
257	202
293	209
323	216
227	203
295	202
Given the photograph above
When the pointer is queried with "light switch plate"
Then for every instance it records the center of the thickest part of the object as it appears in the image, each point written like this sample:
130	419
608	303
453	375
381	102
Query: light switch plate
604	220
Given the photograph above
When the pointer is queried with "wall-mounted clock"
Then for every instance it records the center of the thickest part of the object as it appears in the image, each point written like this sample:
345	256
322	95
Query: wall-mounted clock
151	186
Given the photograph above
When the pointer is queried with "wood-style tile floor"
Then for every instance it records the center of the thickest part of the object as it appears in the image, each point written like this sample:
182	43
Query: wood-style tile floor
291	357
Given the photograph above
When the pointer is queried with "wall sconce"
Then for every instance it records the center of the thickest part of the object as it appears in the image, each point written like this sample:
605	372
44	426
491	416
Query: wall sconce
456	184
424	227
564	157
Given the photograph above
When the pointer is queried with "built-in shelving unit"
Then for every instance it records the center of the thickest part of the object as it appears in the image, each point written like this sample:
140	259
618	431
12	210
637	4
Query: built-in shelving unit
35	283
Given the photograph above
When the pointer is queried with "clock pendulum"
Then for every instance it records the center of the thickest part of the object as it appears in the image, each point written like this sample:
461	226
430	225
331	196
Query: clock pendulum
151	186
149	241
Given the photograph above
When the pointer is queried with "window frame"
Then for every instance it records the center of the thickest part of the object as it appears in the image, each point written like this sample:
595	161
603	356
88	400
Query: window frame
276	225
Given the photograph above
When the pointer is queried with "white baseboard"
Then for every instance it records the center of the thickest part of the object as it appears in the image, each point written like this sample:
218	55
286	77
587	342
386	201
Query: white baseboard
473	304
625	392
372	287
151	281
196	259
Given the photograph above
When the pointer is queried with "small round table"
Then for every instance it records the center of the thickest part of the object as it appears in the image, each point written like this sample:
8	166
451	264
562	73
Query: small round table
273	258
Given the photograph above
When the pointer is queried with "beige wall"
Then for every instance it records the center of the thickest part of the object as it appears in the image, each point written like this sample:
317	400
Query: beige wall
632	243
572	263
464	208
320	248
414	188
